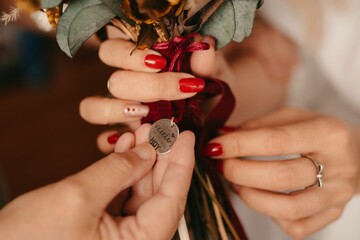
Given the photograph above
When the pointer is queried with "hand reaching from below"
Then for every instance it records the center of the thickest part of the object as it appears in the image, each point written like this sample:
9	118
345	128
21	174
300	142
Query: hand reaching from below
75	208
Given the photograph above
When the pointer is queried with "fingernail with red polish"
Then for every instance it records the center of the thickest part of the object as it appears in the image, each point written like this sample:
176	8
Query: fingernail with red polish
220	167
155	61
213	150
210	41
227	129
113	138
191	85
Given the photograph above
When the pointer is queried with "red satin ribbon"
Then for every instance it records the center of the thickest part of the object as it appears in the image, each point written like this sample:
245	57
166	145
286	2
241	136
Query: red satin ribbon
187	113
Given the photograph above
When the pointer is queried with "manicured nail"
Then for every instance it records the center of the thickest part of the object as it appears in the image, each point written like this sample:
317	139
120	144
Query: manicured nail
213	150
191	85
220	167
227	129
210	41
155	61
136	110
113	138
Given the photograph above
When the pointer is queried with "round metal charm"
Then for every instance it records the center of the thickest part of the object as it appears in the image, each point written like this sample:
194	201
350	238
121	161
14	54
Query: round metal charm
163	135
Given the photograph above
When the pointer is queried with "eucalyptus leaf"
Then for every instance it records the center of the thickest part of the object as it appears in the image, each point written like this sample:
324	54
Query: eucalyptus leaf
86	23
91	23
221	24
46	4
244	17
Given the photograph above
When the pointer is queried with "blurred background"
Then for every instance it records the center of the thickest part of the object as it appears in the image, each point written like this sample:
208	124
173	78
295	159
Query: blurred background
42	137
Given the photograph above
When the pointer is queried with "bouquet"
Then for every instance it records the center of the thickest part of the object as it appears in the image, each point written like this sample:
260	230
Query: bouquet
167	26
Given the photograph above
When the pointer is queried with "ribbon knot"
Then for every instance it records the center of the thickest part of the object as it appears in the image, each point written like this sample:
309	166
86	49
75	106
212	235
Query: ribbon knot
179	49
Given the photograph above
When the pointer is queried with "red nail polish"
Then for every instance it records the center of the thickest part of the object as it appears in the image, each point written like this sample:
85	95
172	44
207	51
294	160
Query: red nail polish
155	61
191	85
213	150
113	138
226	129
220	167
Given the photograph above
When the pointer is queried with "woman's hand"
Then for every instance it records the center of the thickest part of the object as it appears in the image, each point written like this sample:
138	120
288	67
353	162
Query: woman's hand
261	184
138	81
251	70
75	208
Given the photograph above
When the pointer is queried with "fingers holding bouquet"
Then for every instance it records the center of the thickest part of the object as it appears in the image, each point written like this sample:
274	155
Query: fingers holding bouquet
138	80
122	54
304	192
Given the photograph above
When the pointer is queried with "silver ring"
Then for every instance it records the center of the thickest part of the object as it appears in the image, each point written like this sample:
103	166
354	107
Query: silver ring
319	173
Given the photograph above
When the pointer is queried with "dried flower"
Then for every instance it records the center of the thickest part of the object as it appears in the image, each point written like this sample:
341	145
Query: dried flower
12	16
149	11
53	15
194	6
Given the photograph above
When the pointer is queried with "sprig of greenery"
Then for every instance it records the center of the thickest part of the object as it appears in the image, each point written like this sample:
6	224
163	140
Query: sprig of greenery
233	20
46	4
81	19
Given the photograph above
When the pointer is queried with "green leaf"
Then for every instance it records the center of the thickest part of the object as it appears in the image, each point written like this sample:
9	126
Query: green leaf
114	5
87	22
221	24
46	4
244	17
80	21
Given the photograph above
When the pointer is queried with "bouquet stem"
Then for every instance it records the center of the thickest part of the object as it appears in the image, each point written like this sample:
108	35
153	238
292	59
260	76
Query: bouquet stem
183	230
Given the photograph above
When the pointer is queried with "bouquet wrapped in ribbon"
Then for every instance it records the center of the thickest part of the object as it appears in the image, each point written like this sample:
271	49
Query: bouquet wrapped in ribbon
169	27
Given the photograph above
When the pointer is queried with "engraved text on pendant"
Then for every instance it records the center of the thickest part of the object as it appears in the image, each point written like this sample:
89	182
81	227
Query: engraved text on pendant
163	135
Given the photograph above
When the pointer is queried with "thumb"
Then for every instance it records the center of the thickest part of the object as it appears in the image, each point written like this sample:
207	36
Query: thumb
103	180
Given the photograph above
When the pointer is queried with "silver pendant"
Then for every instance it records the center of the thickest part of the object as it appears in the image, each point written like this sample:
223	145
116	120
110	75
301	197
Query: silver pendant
163	135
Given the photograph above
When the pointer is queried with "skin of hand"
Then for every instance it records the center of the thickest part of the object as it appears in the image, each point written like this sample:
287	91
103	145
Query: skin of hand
75	208
261	184
251	69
